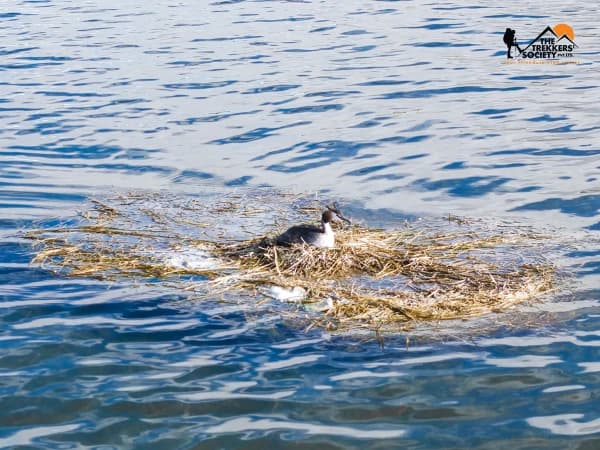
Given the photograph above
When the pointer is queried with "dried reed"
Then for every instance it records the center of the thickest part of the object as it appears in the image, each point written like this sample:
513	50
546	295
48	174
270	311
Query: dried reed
372	278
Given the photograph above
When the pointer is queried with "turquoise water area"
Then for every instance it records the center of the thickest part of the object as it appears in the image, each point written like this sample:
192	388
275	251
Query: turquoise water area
402	109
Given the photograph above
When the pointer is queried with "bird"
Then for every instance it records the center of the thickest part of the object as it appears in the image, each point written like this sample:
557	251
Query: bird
322	236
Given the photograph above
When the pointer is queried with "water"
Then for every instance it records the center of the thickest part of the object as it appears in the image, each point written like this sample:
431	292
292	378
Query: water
404	109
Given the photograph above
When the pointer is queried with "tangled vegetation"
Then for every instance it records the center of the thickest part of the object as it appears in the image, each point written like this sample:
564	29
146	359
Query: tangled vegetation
373	278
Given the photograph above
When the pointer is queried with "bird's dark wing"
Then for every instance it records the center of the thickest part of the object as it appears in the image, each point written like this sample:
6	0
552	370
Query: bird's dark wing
295	234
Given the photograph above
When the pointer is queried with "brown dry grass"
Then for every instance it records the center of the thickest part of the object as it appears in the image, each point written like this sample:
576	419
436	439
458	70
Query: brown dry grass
372	278
381	277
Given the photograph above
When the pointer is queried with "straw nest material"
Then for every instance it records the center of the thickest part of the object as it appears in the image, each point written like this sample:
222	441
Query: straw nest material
372	278
380	277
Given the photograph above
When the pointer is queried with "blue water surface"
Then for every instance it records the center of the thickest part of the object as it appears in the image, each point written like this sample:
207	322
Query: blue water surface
402	108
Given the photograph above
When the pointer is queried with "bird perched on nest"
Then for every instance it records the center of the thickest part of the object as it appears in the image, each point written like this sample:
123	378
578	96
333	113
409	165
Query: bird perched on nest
322	236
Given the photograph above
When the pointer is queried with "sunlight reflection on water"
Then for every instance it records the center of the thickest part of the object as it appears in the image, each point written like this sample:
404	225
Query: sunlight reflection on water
402	109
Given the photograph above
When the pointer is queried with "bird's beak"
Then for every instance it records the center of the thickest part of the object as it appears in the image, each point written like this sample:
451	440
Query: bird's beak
338	215
344	219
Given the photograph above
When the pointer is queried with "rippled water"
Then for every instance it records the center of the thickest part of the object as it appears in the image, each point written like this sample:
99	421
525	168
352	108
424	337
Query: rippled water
402	108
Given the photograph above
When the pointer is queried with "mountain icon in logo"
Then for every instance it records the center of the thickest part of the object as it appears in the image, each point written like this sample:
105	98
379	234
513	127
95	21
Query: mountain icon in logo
564	38
542	35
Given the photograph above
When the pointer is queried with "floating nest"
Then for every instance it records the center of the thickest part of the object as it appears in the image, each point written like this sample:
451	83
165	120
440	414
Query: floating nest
379	277
373	278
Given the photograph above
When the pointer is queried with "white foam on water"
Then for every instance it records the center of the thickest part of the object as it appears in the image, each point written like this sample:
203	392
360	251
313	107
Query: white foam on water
294	295
191	258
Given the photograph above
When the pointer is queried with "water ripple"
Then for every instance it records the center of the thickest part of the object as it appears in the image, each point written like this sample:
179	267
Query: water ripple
405	110
453	90
243	424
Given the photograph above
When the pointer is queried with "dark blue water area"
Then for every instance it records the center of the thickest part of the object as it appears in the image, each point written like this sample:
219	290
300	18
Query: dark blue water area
405	112
90	363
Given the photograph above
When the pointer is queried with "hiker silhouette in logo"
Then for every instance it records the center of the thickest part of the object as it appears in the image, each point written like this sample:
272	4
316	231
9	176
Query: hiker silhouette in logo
509	40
